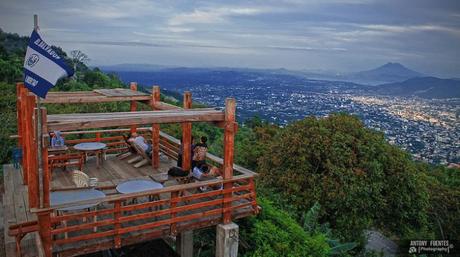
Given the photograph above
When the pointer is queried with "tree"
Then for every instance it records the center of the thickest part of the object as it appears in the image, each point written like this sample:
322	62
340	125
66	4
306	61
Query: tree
79	60
360	180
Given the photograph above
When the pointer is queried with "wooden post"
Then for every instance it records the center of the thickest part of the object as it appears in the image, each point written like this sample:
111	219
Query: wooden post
22	131
116	216
172	206
46	172
98	136
44	224
187	135
155	130
229	136
133	107
32	162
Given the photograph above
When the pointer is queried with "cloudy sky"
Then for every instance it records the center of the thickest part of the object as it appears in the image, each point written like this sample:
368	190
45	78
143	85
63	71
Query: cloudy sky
339	35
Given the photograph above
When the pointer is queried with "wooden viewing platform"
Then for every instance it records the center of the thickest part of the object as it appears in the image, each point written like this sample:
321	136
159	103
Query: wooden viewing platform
37	228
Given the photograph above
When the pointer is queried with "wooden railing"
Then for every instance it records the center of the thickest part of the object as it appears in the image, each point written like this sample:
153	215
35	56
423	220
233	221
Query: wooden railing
124	219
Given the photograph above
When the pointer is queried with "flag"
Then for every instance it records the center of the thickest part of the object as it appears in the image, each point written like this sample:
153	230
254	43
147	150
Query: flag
43	66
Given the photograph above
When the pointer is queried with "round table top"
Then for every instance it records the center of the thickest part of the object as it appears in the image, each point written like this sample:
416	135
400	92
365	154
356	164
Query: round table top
90	146
62	197
137	185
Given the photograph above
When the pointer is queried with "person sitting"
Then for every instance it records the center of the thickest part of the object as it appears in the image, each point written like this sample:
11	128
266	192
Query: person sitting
142	143
205	171
199	152
56	139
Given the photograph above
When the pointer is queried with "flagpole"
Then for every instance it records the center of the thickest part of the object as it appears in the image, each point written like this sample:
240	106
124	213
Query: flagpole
39	134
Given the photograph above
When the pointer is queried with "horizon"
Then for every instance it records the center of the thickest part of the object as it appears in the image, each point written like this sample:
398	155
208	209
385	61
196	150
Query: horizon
332	36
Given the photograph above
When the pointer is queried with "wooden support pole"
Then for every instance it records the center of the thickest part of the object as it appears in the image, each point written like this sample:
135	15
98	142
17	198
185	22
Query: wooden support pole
22	131
46	171
133	107
19	87
229	138
155	130
32	161
116	216
44	223
187	135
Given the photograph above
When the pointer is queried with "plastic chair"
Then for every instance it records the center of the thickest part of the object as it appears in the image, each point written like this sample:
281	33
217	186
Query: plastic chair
80	179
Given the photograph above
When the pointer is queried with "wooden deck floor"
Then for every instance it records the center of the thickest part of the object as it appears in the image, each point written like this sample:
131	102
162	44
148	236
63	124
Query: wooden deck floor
15	210
110	173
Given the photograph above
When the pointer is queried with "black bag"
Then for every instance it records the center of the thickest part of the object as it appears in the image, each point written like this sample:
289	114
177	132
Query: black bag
177	172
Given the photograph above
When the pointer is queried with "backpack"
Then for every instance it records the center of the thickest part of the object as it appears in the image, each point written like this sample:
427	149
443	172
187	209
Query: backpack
200	153
177	172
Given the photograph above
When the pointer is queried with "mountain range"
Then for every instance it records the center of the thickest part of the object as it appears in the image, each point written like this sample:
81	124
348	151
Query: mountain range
388	79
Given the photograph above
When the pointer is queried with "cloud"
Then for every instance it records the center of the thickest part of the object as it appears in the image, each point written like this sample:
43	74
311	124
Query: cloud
411	28
213	15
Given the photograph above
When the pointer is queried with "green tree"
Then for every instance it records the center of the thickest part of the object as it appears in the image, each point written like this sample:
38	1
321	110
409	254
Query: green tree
359	179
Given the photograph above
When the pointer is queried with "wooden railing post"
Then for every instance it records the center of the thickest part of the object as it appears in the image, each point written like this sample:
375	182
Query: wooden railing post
116	216
187	135
32	161
22	124
133	106
155	130
44	223
98	136
172	206
229	136
46	171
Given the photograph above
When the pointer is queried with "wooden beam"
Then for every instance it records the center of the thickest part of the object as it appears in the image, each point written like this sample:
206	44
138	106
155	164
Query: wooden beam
187	135
44	223
46	171
155	130
165	106
94	99
32	162
22	131
229	138
65	122
133	104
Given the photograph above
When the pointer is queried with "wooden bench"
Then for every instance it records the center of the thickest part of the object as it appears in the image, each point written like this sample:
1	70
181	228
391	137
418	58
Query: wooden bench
64	160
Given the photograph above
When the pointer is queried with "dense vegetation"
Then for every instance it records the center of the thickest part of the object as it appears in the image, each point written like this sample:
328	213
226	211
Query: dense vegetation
322	181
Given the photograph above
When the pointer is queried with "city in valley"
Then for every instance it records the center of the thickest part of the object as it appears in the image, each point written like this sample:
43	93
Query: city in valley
429	129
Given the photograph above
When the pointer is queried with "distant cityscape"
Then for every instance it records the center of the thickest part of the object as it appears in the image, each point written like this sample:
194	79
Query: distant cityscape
429	129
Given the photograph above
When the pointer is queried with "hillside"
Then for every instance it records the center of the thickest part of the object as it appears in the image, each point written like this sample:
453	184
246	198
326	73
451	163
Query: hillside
425	87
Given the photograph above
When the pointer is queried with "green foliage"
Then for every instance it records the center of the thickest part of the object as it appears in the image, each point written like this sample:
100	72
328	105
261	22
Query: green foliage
359	179
444	211
8	118
275	233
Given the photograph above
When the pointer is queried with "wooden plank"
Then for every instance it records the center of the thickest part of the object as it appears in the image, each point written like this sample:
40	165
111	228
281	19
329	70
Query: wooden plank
93	99
120	92
65	122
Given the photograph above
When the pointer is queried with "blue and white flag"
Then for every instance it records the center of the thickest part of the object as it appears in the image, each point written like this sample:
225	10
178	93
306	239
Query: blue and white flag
43	66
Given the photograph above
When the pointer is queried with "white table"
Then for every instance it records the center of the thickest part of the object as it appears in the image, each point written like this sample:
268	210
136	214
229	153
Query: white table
96	147
63	197
137	185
